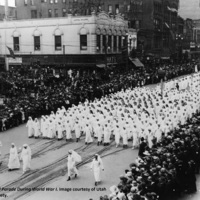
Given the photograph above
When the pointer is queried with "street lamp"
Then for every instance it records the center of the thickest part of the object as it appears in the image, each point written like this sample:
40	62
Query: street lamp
179	39
125	52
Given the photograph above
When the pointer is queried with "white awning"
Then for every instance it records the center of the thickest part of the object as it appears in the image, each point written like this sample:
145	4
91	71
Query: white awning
136	62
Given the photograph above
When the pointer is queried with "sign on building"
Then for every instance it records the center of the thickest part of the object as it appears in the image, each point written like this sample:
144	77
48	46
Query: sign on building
14	61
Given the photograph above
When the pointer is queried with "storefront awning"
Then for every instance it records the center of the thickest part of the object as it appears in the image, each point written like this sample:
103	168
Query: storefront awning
136	62
109	65
165	58
101	65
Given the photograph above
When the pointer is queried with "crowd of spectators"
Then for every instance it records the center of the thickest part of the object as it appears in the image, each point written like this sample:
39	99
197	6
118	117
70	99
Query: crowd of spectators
35	90
165	171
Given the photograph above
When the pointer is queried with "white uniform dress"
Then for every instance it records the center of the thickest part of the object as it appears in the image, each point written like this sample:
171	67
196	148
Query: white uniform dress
97	166
13	162
26	158
30	127
73	158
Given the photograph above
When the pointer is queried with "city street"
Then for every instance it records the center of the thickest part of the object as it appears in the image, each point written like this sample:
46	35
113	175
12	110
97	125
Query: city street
50	177
47	173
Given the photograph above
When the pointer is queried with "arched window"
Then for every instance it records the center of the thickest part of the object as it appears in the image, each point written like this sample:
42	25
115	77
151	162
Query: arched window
83	38
36	37
16	36
58	39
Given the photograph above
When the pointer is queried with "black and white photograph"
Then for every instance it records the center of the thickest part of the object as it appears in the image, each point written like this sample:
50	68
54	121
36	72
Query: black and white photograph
99	99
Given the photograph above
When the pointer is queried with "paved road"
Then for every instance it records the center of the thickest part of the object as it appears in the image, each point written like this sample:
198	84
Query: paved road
49	169
115	162
46	152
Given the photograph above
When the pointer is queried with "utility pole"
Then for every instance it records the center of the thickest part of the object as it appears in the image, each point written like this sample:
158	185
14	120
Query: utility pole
106	47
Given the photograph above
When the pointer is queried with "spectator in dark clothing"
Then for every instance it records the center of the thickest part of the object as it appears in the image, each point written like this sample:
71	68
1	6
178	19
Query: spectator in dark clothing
142	147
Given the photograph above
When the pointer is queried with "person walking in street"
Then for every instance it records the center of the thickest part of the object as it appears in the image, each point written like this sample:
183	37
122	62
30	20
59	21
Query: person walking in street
73	158
26	157
13	162
97	167
30	125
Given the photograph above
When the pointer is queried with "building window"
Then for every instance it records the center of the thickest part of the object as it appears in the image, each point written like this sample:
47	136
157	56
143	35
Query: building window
83	42
56	13
120	42
117	8
37	43
32	2
49	13
109	8
55	1
109	43
33	14
58	43
64	12
64	1
16	43
25	2
115	43
104	43
51	1
98	43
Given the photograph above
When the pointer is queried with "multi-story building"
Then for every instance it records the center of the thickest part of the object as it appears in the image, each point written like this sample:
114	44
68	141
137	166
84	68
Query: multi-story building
73	40
195	44
159	26
188	34
154	23
27	9
11	12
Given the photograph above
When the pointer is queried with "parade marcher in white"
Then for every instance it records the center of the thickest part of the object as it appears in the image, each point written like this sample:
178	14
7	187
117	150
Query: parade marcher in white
88	137
68	130
97	166
43	126
26	157
77	130
30	127
73	158
13	162
36	127
59	130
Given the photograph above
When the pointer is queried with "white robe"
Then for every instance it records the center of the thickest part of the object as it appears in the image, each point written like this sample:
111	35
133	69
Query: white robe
71	166
13	162
106	134
88	137
36	127
77	130
59	129
30	128
43	127
117	135
97	166
68	130
26	158
99	133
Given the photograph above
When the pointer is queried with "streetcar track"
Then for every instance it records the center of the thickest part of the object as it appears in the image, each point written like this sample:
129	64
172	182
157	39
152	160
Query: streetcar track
47	172
48	169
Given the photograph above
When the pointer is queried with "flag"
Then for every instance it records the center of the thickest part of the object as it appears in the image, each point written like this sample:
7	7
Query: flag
11	52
